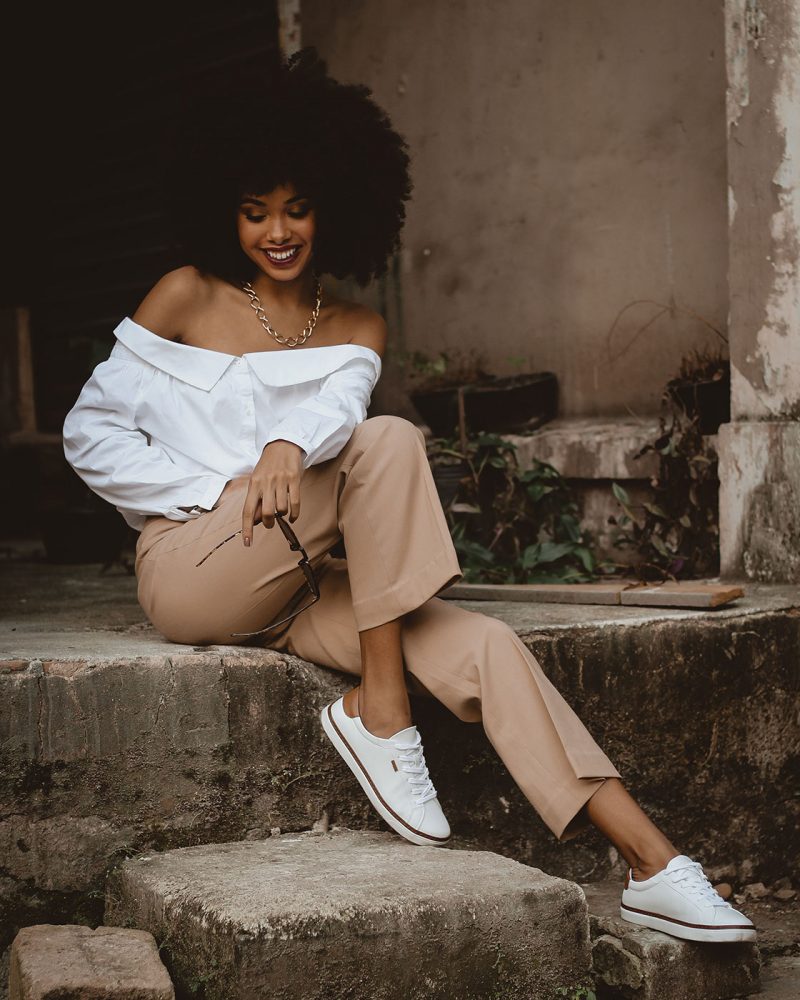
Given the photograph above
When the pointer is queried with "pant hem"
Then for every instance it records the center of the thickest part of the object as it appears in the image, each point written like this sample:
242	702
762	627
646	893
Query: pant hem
561	812
408	594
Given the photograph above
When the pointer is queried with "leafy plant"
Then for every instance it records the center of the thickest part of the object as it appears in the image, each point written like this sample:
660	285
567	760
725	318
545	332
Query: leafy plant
703	365
576	992
509	525
448	368
676	533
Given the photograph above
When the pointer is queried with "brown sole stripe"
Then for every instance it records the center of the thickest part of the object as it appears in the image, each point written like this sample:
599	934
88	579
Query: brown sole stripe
685	923
354	755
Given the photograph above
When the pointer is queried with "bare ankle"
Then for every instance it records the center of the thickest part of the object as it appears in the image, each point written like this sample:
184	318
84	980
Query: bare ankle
644	870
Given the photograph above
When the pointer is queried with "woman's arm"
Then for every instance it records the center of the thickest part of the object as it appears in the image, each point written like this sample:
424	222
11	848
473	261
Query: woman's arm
322	425
114	458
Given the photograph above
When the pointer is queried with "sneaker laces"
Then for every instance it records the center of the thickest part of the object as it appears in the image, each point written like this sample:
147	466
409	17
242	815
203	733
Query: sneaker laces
692	878
415	767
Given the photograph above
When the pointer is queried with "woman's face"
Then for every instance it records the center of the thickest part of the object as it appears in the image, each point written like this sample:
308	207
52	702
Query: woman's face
276	231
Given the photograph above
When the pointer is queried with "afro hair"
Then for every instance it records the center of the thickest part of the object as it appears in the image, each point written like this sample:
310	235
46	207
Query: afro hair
290	123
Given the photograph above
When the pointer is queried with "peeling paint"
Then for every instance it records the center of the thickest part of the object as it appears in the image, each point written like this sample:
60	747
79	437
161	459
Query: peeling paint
736	54
764	207
779	339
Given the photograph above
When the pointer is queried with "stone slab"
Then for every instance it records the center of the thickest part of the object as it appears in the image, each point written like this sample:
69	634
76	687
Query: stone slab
75	962
348	914
642	964
129	743
79	613
588	448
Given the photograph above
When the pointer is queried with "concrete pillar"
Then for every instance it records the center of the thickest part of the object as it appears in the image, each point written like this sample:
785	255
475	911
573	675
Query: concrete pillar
760	449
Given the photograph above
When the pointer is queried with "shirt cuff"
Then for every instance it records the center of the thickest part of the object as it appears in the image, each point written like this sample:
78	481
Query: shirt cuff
207	500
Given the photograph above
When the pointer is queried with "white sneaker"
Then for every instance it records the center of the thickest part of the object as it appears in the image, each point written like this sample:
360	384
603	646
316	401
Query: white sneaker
682	902
393	773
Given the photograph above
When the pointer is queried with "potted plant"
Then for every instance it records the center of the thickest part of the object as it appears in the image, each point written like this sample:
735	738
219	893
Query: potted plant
702	389
511	525
454	389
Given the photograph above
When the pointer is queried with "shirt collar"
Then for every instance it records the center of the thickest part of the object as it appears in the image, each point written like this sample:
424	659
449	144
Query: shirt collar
196	365
203	368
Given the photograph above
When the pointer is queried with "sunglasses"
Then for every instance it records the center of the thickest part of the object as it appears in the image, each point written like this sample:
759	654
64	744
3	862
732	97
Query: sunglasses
305	566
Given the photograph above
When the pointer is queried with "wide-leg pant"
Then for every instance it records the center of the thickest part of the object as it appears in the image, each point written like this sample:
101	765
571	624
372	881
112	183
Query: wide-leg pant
378	493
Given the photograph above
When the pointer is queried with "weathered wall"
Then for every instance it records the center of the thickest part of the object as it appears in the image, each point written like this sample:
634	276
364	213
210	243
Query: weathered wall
568	160
759	464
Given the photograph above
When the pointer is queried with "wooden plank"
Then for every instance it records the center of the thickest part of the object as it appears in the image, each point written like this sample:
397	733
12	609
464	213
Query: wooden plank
630	593
683	594
539	593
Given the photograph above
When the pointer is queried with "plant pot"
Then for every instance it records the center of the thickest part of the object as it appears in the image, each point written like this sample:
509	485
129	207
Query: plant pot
509	403
709	400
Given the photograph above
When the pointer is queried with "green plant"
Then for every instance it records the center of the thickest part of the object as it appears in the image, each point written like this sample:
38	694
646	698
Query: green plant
576	992
676	532
509	525
448	368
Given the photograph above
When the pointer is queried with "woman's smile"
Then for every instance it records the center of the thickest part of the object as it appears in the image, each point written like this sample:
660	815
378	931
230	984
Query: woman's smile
282	256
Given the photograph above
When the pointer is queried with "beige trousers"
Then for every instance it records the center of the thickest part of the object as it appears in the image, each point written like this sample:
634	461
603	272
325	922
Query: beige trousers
378	493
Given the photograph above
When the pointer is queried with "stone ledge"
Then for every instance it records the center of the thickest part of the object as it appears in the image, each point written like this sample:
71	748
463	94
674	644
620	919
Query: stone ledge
355	914
642	964
585	448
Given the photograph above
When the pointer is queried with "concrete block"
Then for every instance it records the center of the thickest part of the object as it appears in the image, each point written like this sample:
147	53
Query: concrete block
641	964
74	962
759	500
588	448
347	914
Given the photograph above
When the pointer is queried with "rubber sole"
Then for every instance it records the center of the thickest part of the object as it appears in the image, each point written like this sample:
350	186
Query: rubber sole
687	932
382	808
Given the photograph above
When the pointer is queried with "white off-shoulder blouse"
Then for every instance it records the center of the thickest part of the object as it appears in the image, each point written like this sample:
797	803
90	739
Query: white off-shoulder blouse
162	425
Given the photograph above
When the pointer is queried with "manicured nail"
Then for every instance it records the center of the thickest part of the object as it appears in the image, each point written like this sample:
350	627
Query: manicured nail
247	542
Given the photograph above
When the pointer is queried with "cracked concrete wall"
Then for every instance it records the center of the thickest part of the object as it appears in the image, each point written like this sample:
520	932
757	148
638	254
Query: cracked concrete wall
759	467
568	160
763	53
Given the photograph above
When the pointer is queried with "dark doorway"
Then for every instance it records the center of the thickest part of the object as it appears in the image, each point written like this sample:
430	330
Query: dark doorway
92	92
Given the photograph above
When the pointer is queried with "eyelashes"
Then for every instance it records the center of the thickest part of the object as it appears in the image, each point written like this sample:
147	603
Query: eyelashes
298	214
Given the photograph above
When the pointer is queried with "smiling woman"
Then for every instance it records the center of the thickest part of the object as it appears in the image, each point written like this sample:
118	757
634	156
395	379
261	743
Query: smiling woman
199	423
292	125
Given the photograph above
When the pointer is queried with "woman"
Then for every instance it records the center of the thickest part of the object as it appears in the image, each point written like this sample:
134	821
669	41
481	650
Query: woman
215	418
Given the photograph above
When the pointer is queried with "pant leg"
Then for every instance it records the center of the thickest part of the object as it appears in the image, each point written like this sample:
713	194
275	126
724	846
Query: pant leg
378	493
481	670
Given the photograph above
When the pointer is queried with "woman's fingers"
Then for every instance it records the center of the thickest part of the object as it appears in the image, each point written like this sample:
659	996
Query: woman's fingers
251	502
294	501
268	513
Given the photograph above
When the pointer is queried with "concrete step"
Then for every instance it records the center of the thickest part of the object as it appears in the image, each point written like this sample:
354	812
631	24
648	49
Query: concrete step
635	963
344	914
631	963
115	740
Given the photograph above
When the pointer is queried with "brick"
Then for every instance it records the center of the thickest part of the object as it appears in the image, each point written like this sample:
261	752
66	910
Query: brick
74	962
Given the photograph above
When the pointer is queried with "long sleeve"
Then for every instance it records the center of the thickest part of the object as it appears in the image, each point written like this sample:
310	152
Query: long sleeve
114	458
322	425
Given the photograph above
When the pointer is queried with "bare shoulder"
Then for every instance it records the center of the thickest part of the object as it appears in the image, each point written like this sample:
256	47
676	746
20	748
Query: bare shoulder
168	306
363	326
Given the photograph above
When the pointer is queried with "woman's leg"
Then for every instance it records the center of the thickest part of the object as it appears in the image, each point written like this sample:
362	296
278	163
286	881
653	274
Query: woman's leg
479	668
379	488
618	816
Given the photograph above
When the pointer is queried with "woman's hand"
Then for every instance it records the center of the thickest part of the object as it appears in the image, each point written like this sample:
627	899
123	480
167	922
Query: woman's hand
274	487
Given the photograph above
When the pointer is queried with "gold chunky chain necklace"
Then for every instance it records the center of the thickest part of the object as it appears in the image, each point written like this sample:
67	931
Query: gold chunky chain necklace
255	302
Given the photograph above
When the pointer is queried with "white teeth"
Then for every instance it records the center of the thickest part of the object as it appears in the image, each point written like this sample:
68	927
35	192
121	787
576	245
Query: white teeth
282	255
